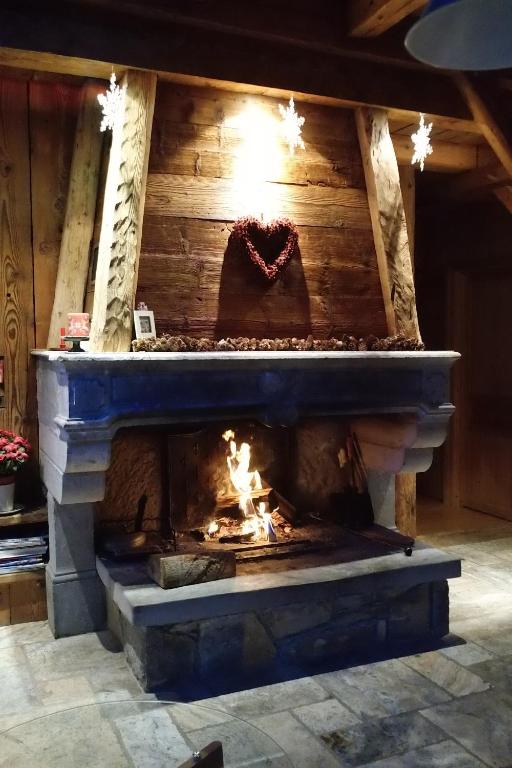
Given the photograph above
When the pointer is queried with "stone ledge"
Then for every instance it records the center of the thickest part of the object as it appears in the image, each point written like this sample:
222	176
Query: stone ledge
144	604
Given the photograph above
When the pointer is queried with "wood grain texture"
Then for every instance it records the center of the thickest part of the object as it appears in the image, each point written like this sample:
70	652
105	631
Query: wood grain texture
53	113
80	214
5	606
188	273
447	156
123	211
388	221
16	277
28	600
369	18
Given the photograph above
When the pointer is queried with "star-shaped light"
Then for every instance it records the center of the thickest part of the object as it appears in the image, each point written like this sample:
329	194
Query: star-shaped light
292	126
421	142
111	104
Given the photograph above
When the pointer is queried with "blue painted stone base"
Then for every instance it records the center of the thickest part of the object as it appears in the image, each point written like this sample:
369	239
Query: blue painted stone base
300	636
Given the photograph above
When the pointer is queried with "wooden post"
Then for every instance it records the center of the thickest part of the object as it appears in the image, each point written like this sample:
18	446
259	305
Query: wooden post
394	258
123	211
79	217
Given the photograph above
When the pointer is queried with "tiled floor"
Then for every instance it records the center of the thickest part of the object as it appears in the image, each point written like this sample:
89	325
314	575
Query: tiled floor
449	709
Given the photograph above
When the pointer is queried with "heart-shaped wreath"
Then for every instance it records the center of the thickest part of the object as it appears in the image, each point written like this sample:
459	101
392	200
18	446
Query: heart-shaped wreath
269	246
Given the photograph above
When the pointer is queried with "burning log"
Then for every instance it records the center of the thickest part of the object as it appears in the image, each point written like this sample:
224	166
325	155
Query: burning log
237	538
181	570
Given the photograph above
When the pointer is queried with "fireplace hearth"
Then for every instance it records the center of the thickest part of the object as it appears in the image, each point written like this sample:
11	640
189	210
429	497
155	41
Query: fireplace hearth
305	587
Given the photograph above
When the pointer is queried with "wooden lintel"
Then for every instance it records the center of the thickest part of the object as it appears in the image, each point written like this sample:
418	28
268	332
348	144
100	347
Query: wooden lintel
369	18
79	216
388	221
223	55
446	156
123	211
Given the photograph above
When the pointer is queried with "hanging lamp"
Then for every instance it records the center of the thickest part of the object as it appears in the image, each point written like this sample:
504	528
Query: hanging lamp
463	34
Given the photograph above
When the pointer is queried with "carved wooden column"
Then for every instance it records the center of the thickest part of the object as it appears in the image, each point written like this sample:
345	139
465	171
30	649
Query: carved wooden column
123	212
394	258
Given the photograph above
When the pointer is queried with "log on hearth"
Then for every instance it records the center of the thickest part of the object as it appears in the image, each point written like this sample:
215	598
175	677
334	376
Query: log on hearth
177	570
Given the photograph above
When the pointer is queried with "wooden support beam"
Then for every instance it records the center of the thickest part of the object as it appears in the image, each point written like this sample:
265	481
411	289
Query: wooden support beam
394	247
490	125
478	182
123	211
388	221
79	216
369	18
446	157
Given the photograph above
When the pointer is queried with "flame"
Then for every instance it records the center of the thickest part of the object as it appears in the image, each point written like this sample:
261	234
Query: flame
213	528
246	481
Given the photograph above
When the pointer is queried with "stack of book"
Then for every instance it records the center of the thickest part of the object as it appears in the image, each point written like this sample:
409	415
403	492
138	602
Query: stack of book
23	554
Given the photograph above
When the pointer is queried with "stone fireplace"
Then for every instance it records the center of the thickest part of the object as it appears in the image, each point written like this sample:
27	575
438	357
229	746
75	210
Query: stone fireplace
84	399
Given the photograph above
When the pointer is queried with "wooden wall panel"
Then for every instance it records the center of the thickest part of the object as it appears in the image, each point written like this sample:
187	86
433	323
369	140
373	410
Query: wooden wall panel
53	114
16	278
186	273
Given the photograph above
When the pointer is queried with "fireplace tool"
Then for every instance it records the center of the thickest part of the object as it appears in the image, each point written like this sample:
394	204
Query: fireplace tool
357	509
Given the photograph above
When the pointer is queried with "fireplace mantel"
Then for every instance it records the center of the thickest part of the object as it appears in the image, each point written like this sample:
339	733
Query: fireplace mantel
85	398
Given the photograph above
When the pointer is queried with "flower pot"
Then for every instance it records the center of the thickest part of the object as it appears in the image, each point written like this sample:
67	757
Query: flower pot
6	494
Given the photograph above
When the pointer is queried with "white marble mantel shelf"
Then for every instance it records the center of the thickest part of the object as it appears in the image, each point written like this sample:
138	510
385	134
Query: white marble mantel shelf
255	359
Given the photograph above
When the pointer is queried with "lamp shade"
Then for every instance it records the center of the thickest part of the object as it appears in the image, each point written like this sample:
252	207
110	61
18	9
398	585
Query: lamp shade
463	34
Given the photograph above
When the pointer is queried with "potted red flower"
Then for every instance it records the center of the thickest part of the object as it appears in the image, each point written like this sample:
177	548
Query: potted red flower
14	451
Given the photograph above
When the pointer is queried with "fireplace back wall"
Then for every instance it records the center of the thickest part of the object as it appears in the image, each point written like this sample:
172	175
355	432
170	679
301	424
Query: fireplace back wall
194	193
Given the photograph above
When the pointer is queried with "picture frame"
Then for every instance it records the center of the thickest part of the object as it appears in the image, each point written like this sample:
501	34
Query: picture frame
144	322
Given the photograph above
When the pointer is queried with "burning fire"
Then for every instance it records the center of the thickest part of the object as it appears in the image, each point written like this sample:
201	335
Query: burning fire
247	482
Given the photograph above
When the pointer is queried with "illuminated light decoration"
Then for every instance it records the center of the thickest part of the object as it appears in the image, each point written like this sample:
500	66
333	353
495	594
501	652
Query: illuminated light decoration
111	104
291	126
421	142
258	160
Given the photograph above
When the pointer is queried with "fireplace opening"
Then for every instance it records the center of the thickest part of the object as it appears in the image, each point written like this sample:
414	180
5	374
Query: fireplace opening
268	497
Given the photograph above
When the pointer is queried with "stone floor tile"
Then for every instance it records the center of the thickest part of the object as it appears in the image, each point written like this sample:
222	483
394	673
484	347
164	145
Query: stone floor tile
302	748
271	698
492	632
376	738
243	744
446	754
384	688
482	723
65	692
455	679
192	717
152	739
18	693
70	739
20	634
497	672
467	654
325	716
68	656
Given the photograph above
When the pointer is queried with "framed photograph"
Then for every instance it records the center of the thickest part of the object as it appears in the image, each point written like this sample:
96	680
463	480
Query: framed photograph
144	321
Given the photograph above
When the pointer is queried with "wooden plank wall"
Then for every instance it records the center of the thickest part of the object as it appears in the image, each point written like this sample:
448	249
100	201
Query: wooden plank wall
473	262
37	124
185	273
16	276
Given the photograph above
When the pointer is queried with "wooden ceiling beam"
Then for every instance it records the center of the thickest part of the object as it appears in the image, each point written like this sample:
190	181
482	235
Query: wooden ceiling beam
203	56
369	18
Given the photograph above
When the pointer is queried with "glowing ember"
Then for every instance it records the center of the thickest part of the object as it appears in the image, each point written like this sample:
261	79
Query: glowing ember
213	528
